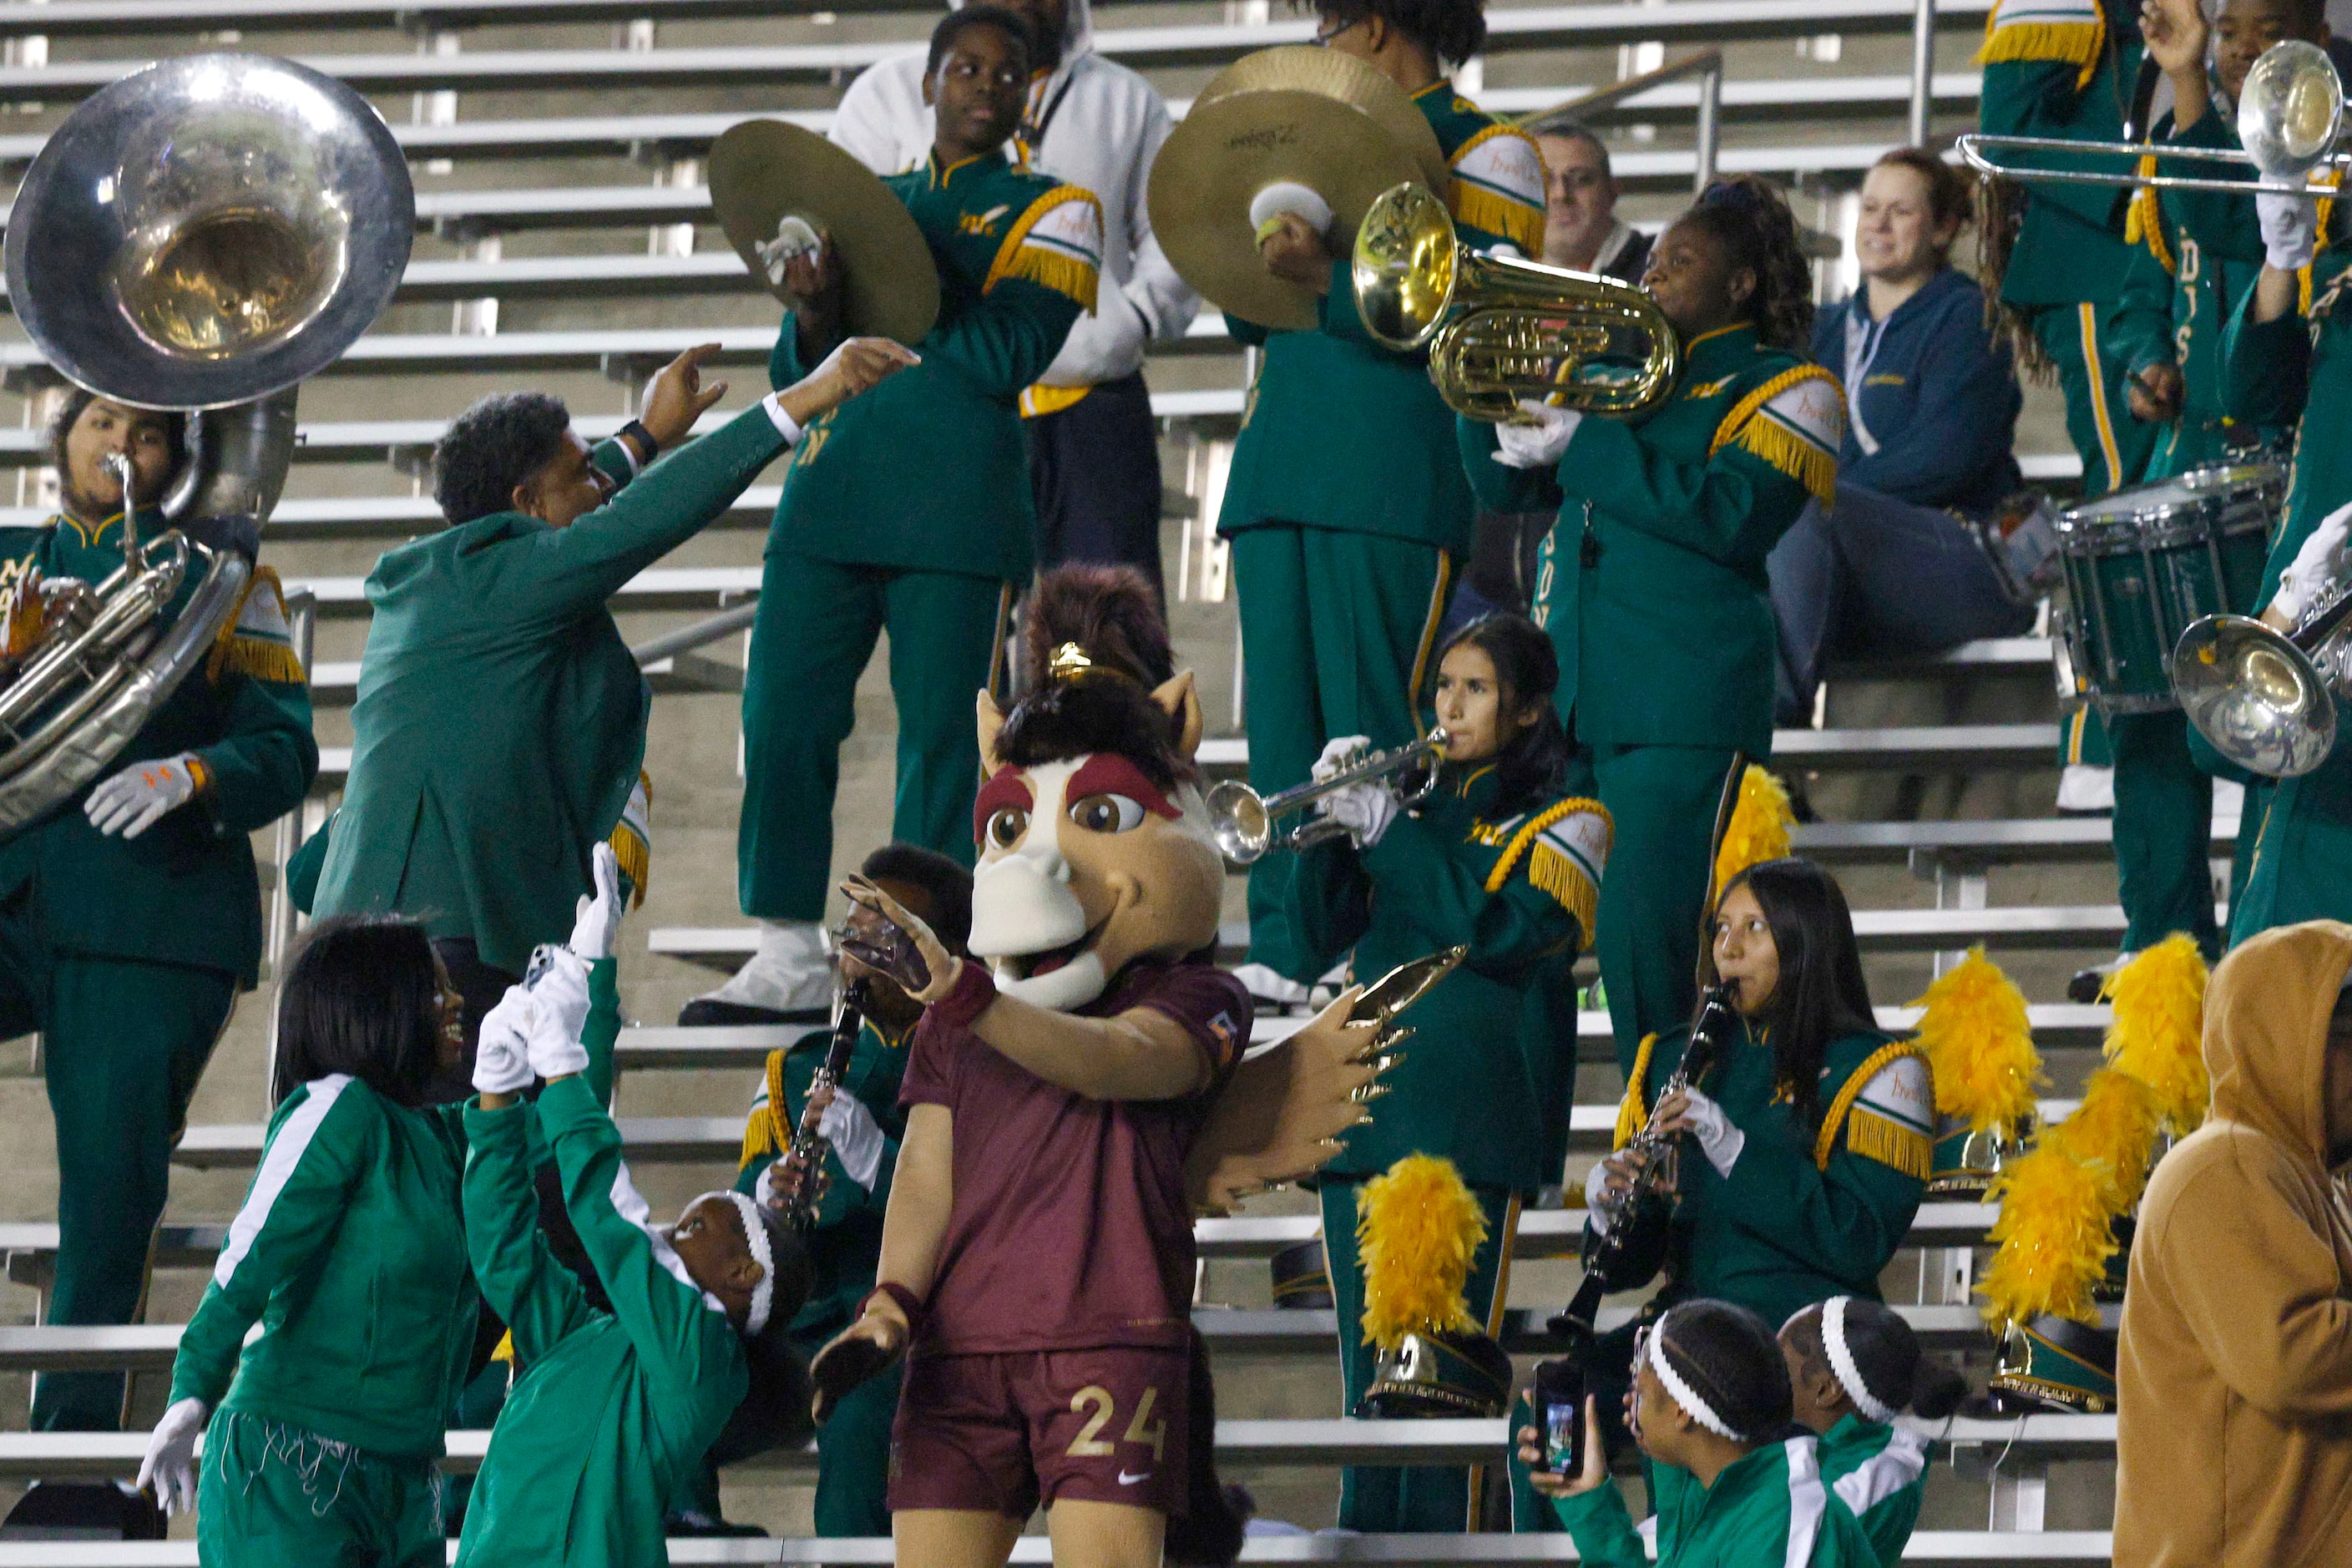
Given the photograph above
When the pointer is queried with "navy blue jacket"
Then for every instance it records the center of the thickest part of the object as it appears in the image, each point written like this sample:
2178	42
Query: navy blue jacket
1931	398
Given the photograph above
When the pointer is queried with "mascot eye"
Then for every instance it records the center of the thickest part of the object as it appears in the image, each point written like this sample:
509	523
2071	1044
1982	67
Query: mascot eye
1107	813
1006	824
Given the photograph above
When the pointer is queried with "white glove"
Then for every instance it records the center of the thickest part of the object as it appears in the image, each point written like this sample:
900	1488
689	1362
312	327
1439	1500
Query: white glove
1598	1201
1338	753
1365	810
170	1466
502	1059
2316	568
2290	230
595	920
856	1137
133	800
1536	446
1718	1140
560	1012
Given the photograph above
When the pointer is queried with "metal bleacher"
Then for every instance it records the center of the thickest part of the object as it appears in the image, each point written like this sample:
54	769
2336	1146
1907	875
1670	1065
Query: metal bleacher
565	239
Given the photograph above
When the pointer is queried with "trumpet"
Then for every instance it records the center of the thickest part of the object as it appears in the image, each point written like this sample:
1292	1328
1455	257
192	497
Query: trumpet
1499	328
1243	822
2267	700
2289	114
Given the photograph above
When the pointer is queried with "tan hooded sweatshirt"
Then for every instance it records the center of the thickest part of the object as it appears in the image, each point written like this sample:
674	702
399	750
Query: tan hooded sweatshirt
2234	1378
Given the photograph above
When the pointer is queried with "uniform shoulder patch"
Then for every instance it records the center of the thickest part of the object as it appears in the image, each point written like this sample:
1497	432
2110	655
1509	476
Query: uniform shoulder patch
1056	242
1565	849
1795	422
259	640
1890	1110
2070	31
1499	186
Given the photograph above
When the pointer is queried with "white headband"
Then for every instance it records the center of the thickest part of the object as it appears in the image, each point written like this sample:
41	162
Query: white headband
1682	1393
755	1234
1843	1365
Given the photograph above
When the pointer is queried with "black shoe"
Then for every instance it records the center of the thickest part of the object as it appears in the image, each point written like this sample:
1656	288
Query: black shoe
687	1524
705	1012
84	1510
2088	984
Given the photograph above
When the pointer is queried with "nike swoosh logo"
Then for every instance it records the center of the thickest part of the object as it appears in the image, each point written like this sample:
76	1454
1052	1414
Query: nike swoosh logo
1127	1480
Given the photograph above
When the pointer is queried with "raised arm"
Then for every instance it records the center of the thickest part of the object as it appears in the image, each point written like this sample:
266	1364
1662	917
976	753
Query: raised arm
538	1299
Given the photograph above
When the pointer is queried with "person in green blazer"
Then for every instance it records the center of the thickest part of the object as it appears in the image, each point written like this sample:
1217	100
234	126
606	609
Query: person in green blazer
910	512
862	1123
1854	1366
1345	505
500	724
2065	69
1502	859
131	915
1711	1403
1652	581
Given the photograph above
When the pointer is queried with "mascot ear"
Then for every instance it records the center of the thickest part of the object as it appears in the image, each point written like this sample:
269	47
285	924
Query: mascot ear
992	721
1180	701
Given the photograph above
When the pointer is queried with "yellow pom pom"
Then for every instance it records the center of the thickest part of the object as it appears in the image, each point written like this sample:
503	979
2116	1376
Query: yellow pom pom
1417	1230
2054	1239
1980	1046
2111	1134
1758	829
2157	1035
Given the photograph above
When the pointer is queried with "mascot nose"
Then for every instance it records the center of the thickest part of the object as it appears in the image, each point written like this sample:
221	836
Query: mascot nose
1023	904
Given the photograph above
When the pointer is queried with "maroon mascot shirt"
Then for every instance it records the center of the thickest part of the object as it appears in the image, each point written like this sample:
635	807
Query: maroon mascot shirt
1070	1228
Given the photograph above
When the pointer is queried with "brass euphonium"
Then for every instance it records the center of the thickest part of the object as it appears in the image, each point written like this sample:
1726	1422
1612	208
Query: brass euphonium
198	237
1500	328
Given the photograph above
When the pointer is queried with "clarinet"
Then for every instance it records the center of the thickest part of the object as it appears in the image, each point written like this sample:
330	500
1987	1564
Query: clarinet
802	1186
1627	1251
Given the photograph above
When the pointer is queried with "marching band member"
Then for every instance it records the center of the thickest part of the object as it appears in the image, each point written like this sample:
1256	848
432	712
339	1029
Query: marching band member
1652	581
1709	1401
862	1124
1094	448
1346	506
1501	858
1814	1130
322	1434
1854	1366
496	630
130	916
911	511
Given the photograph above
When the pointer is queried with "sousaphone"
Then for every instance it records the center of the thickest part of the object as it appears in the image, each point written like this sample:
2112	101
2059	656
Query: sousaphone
1296	116
199	236
780	191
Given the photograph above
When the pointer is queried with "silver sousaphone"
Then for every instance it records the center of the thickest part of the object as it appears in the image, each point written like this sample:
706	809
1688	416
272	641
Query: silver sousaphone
199	236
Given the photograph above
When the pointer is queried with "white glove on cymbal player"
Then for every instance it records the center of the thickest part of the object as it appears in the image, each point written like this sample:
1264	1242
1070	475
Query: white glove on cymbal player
1338	753
1365	810
856	1137
2290	230
1539	445
136	799
170	1468
2316	567
502	1057
1717	1138
596	919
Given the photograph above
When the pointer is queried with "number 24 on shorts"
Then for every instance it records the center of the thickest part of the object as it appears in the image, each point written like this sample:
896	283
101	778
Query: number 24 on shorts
1095	1401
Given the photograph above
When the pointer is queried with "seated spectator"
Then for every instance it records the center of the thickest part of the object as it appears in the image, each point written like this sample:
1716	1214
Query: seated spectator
1921	549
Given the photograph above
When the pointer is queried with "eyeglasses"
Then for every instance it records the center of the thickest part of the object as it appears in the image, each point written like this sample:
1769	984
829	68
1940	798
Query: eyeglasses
1327	31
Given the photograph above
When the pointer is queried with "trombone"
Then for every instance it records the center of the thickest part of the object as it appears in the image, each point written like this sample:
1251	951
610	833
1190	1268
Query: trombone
2289	117
1243	822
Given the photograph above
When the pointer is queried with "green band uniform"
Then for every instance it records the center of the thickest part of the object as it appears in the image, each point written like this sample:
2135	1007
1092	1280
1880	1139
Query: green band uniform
1347	511
908	509
1877	1470
501	724
845	1248
612	1411
127	954
1767	1509
2065	69
1484	1081
1651	586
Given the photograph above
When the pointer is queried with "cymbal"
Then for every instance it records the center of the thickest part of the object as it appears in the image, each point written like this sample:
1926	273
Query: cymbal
1310	68
763	171
1226	151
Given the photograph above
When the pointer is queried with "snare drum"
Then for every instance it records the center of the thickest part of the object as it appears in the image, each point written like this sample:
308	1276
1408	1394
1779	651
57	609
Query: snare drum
2142	563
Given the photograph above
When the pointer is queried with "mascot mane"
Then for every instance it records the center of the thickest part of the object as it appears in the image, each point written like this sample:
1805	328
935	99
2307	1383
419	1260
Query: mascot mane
1100	698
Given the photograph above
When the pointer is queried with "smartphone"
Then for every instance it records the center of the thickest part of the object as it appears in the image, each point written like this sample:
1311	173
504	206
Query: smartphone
1559	1401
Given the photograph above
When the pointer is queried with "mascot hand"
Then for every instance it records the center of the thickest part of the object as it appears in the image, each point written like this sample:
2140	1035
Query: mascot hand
169	1470
502	1059
898	945
1338	753
597	920
1365	810
857	1353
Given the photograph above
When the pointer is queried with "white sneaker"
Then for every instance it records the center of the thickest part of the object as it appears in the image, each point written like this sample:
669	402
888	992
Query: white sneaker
1268	985
788	979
